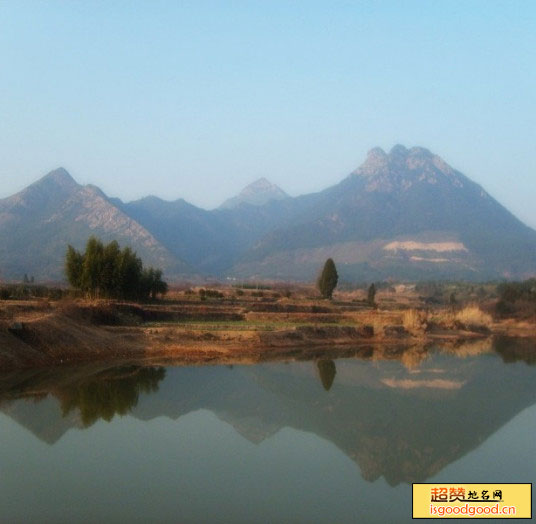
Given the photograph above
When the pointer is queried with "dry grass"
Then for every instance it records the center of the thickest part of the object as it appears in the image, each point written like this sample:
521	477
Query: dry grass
473	316
414	321
470	317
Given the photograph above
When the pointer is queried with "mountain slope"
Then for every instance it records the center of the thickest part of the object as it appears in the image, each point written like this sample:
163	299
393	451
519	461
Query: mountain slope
211	241
406	214
37	224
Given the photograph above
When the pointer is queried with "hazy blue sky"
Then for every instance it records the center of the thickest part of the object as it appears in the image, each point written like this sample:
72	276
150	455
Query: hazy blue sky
197	99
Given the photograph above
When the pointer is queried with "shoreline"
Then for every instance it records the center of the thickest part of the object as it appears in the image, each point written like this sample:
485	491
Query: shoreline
36	334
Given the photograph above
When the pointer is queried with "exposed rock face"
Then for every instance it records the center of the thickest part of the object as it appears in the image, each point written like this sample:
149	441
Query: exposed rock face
402	168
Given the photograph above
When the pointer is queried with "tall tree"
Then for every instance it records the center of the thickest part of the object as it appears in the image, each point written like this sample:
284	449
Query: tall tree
92	267
327	281
130	270
371	295
74	261
110	275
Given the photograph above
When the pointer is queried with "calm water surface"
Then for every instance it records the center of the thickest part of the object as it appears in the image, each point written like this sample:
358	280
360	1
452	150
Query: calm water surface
317	441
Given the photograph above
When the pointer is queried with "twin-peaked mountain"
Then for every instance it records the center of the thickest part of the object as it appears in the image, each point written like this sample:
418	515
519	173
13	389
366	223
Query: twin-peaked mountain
403	215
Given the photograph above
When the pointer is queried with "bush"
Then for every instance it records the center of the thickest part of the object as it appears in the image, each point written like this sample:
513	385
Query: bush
209	293
514	291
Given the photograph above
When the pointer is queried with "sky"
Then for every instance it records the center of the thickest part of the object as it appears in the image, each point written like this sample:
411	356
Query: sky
196	99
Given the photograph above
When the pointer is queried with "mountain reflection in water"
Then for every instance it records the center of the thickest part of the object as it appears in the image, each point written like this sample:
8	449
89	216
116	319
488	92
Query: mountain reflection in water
402	417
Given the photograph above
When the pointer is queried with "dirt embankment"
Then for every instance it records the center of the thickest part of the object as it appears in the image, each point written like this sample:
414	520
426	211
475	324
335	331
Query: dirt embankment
33	337
36	334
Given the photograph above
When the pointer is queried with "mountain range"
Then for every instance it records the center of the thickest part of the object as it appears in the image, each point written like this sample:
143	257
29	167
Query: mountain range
403	215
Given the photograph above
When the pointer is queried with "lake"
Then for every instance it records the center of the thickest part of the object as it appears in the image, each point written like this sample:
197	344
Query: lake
329	440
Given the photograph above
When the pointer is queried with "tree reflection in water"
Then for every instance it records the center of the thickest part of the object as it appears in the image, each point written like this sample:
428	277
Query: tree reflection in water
109	393
327	372
517	350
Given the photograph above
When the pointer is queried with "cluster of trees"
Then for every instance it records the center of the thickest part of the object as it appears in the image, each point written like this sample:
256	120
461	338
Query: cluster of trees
514	291
517	298
111	272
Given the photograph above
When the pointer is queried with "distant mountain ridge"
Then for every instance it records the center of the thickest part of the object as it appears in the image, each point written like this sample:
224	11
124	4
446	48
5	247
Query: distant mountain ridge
405	215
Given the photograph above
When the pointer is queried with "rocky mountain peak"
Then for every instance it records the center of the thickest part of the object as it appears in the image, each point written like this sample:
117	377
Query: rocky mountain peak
398	151
261	184
377	160
59	177
405	167
51	189
257	193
